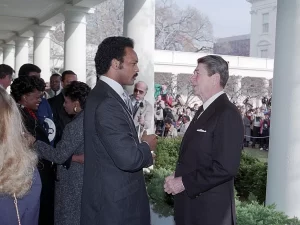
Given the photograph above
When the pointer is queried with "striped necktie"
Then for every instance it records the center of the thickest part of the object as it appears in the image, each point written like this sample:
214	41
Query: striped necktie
135	108
127	101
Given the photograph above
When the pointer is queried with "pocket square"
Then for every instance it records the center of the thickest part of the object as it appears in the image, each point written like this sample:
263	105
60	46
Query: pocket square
201	130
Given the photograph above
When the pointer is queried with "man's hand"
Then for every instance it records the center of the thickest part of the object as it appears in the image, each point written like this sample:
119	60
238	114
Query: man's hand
151	140
78	158
141	120
173	185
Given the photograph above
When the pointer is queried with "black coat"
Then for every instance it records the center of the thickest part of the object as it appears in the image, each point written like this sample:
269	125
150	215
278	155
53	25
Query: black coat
47	174
60	116
208	161
114	191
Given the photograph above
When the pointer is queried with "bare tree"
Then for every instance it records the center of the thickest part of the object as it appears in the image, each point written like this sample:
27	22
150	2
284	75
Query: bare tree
239	88
181	29
106	21
180	86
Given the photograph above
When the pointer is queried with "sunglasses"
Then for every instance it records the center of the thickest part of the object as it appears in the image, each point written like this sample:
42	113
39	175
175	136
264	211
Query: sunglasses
139	91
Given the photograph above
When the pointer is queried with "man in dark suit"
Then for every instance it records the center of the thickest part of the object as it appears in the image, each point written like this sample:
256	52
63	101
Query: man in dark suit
60	116
114	191
203	183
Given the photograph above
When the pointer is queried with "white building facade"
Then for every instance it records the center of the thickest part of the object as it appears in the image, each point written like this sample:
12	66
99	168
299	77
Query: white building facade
263	28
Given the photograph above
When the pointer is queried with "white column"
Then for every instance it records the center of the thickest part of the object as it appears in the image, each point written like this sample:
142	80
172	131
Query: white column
9	54
1	56
237	89
139	24
283	183
21	52
41	50
75	42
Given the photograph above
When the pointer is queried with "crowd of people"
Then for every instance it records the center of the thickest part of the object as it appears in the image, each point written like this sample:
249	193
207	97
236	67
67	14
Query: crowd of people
74	155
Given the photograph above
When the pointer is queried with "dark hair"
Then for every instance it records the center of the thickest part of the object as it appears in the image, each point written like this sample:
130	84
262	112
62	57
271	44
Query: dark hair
24	85
26	69
55	75
168	120
187	118
111	48
77	91
216	64
65	73
5	70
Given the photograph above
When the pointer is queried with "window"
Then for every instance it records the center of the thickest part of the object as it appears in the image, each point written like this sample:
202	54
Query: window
265	22
264	53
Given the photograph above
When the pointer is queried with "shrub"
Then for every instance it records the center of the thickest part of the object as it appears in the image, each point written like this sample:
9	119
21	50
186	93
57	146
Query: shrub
250	183
256	214
167	153
162	202
252	178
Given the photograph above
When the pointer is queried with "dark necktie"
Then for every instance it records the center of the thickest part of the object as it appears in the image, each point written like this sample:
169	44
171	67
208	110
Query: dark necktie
135	108
197	114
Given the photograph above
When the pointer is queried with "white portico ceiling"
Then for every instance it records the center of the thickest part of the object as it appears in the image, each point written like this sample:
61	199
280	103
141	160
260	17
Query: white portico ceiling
18	16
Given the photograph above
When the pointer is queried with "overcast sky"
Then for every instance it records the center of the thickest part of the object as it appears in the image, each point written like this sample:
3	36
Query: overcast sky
228	17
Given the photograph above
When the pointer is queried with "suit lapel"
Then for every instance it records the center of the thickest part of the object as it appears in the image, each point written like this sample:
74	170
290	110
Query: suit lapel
115	95
204	117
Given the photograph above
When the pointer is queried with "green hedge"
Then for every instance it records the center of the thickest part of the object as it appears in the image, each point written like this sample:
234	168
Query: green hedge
252	178
251	213
250	183
256	214
167	153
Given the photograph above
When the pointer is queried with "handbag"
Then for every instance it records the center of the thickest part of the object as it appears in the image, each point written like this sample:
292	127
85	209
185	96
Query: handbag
17	209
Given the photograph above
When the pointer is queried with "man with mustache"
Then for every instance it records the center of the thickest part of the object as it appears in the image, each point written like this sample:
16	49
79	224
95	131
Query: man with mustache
114	191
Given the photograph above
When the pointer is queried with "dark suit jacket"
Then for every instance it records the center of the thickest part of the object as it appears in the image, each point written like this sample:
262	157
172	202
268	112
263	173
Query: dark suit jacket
208	162
60	116
114	191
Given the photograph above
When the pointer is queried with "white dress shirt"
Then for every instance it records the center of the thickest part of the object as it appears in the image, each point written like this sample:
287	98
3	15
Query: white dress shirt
114	85
211	100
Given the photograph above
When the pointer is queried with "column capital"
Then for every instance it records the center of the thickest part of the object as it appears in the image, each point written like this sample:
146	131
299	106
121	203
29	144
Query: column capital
76	14
20	41
40	31
7	46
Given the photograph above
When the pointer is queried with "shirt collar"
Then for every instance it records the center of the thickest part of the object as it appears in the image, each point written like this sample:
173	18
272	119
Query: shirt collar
211	99
114	85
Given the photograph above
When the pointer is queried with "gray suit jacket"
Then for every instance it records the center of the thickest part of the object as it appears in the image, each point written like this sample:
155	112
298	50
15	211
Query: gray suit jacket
114	191
147	113
69	187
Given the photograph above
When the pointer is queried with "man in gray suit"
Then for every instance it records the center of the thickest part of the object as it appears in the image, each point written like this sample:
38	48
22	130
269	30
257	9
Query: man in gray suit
114	191
142	109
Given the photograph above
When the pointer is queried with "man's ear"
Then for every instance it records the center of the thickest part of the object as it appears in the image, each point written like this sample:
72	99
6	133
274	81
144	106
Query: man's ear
216	79
115	64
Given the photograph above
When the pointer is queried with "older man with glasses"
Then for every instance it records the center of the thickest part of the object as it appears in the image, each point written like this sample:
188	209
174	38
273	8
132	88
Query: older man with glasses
142	110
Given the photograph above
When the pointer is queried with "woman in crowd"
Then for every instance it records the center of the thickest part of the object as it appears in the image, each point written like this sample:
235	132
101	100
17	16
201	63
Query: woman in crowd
27	92
69	187
20	184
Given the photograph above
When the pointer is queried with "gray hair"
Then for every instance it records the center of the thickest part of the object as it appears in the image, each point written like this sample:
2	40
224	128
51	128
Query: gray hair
216	64
142	82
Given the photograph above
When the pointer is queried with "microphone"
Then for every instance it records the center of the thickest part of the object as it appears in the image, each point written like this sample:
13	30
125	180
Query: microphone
141	106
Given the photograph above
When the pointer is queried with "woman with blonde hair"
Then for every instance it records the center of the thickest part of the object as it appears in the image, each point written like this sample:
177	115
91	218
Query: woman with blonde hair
20	183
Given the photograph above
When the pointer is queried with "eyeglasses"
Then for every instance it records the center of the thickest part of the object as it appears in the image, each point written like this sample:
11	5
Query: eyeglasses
139	91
